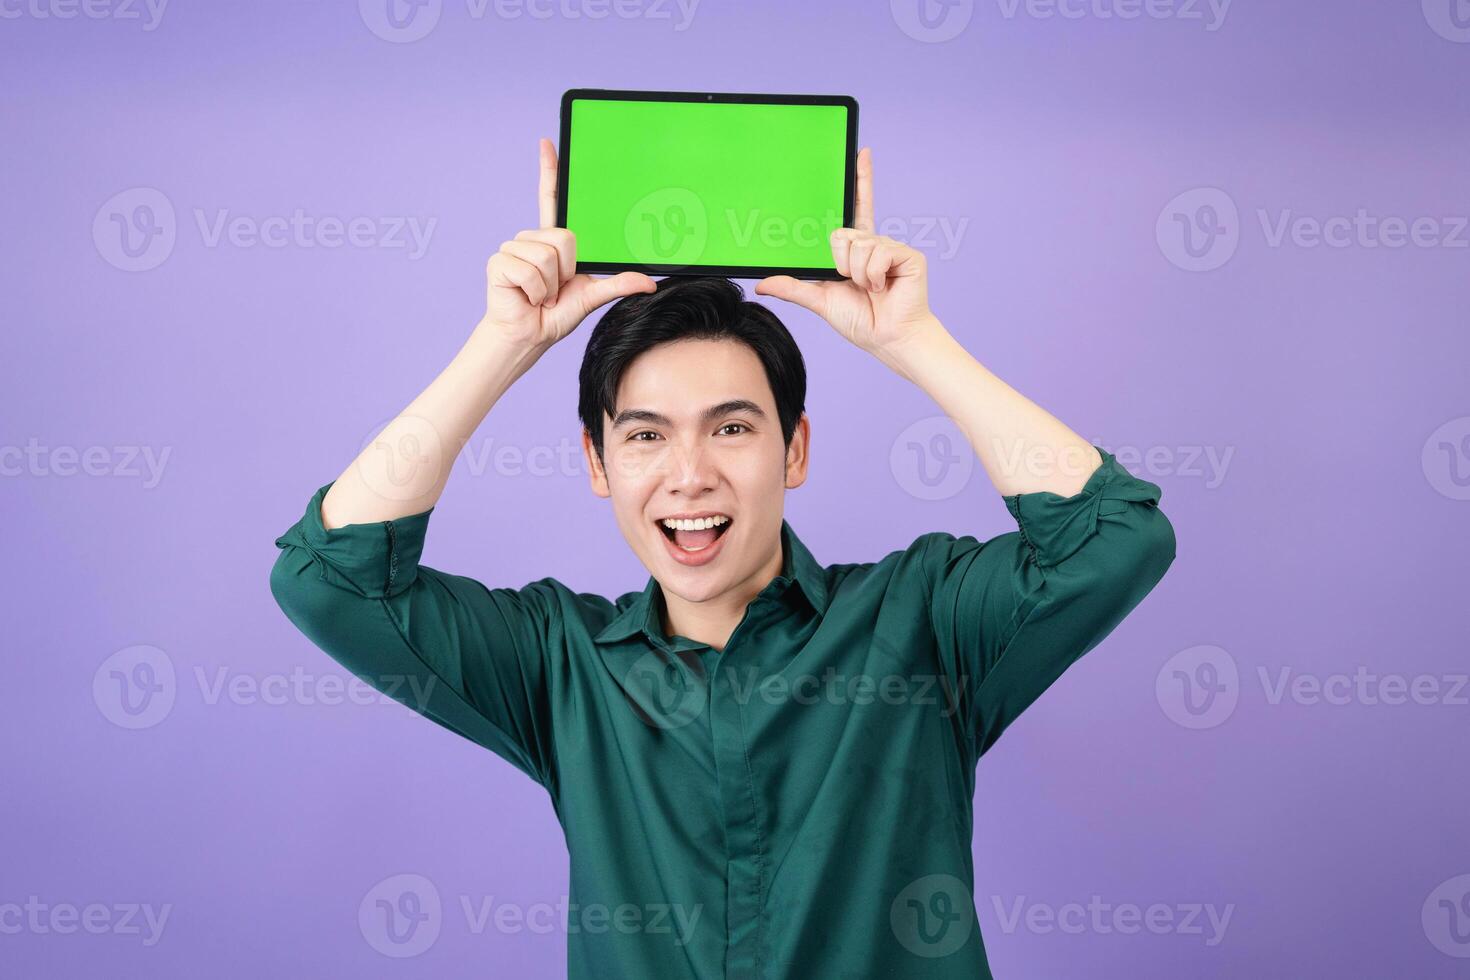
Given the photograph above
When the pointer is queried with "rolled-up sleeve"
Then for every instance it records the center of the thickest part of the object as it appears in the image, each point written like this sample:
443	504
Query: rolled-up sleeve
1012	613
471	658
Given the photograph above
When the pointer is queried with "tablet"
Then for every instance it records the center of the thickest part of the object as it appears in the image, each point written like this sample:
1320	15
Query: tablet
706	183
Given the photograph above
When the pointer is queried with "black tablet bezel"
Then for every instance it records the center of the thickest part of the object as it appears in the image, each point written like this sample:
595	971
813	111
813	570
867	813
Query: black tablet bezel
732	271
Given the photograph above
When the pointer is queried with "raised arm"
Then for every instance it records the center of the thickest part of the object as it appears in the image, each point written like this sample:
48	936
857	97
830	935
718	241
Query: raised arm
476	660
533	299
883	308
1012	613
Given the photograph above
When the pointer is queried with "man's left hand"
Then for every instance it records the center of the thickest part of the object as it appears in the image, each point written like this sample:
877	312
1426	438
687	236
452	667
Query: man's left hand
885	298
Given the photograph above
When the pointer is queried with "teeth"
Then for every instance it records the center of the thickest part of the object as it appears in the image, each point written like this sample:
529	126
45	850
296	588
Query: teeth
696	525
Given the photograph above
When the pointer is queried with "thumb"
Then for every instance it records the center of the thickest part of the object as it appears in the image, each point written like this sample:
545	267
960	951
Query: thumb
798	291
600	291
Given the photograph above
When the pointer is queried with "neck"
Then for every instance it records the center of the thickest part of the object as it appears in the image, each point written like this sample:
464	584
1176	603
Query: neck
713	620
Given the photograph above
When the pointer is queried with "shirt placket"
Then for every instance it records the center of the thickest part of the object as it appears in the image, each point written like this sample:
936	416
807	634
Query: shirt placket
744	836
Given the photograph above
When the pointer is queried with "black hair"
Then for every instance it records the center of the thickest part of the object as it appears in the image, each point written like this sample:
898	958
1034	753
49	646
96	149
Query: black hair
702	308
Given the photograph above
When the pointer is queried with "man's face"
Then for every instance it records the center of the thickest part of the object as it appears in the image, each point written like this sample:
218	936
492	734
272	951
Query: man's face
696	432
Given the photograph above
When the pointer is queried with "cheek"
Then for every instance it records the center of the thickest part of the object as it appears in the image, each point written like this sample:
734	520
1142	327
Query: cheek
636	468
629	489
759	474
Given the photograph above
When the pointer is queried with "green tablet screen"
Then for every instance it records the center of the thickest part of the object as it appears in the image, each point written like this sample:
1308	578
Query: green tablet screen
677	184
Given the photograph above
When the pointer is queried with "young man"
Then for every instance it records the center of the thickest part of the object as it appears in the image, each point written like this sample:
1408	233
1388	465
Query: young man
780	755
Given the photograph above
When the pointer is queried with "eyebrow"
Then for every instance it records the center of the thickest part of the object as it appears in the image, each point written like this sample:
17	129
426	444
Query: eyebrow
735	405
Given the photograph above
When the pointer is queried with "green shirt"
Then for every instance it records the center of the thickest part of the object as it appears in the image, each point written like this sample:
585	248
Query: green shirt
796	805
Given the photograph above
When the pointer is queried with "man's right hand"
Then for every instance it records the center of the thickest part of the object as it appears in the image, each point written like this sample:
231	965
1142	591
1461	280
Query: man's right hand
535	297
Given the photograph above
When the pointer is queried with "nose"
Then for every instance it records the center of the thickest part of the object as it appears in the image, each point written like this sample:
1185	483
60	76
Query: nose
691	470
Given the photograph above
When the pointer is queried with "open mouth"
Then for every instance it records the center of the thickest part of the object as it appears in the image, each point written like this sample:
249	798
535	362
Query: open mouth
694	542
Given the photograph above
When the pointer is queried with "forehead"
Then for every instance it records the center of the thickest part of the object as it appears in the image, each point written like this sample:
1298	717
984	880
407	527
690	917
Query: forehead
681	378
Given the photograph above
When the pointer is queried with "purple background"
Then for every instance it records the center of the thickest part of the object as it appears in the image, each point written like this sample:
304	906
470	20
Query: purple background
1333	541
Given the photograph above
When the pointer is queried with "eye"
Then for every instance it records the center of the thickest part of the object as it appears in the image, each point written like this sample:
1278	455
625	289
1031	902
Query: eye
642	432
734	425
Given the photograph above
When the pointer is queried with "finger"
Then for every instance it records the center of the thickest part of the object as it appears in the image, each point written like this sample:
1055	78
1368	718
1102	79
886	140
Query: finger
878	265
862	251
841	246
862	218
811	295
543	257
600	291
546	195
560	239
508	271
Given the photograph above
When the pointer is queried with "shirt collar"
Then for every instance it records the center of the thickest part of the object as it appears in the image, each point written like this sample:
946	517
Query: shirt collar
797	565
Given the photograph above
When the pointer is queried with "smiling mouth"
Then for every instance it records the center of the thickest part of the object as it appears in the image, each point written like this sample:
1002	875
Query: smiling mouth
694	542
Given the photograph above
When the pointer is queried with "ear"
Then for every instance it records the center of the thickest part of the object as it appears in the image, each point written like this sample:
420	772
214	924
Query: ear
797	453
596	474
